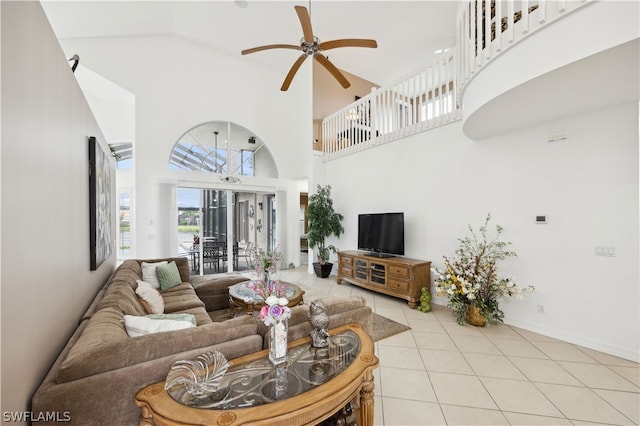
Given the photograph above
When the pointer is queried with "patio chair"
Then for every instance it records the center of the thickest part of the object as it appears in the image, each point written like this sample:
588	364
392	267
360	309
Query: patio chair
246	253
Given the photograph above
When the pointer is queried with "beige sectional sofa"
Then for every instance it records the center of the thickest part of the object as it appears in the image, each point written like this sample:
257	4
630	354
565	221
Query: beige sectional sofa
96	376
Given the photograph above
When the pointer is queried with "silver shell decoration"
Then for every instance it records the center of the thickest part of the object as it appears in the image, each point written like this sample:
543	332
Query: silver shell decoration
197	377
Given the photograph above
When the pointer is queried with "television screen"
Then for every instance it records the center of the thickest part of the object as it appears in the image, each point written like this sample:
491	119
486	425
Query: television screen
381	233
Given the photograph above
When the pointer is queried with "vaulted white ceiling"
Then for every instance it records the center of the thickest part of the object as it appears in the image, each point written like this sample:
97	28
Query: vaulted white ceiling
407	32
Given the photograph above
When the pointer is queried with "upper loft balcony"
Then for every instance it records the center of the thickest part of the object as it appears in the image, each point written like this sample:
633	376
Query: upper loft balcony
557	59
562	58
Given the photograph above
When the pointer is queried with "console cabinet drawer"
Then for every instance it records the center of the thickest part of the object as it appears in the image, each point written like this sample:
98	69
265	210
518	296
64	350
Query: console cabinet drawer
398	285
399	270
346	261
346	271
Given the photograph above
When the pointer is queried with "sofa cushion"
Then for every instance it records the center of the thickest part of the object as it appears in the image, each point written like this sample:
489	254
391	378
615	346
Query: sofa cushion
168	276
181	298
104	344
150	298
149	272
213	290
139	326
200	314
181	262
121	295
104	329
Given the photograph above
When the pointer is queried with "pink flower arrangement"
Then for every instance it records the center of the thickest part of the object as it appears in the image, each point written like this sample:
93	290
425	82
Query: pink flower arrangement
273	294
264	289
266	262
277	311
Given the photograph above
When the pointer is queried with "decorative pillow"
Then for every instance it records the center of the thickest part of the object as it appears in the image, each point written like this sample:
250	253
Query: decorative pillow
168	276
150	298
149	272
139	326
190	318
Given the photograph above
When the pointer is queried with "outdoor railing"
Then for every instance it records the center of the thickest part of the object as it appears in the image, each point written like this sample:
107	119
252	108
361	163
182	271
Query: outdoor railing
431	97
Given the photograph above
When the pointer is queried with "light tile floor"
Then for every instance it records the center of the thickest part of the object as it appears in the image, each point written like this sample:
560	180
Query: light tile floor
441	373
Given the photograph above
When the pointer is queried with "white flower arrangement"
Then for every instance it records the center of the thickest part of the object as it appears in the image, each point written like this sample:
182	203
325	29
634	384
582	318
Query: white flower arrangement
471	277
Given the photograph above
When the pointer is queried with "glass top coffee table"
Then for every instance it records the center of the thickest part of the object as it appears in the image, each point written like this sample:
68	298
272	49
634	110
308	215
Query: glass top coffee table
243	297
314	384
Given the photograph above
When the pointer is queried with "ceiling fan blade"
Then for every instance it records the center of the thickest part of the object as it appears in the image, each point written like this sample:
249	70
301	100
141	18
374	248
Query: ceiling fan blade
270	46
305	21
333	70
292	72
348	42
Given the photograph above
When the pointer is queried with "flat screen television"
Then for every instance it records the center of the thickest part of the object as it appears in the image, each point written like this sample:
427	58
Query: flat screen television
381	234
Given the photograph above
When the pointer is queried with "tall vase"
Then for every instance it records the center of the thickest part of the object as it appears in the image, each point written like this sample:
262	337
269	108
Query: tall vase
278	342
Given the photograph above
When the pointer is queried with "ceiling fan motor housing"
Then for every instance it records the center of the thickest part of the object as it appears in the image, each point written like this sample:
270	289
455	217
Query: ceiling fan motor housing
308	47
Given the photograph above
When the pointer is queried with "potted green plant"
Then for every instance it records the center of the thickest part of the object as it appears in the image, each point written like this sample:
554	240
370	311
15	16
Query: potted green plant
324	221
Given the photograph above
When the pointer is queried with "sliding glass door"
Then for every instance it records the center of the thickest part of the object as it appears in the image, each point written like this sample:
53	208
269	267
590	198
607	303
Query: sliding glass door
218	229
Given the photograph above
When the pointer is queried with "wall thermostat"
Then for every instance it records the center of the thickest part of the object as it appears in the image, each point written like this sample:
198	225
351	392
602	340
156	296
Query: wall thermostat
541	218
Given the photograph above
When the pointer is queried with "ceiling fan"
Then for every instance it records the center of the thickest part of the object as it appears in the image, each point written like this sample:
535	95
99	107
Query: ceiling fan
311	46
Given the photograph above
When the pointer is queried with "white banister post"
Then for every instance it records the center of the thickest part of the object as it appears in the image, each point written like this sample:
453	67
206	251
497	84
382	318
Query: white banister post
477	28
510	29
487	30
562	6
498	25
525	16
542	6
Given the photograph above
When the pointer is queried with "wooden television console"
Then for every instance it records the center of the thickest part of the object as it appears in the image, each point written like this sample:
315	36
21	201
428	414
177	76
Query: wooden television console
396	276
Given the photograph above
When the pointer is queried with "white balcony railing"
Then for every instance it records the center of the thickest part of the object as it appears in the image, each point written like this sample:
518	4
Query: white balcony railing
516	20
431	97
421	101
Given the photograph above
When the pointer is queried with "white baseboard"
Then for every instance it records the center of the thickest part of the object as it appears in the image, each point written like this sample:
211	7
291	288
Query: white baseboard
576	339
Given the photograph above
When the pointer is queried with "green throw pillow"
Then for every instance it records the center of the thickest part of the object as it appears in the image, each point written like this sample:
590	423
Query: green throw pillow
168	276
175	317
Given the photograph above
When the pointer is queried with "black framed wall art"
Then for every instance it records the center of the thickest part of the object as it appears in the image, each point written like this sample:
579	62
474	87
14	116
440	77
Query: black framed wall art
100	203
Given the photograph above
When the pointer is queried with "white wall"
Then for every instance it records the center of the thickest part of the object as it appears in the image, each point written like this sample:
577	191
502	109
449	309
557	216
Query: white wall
46	282
587	185
177	85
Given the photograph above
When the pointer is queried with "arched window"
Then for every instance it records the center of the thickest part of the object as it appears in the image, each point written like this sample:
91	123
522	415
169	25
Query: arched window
225	148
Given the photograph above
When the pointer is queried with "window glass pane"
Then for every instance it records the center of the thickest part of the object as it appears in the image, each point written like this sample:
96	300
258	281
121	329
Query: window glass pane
246	167
124	225
223	148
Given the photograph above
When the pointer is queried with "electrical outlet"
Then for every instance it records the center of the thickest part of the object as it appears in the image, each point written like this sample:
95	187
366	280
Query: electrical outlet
540	308
604	251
